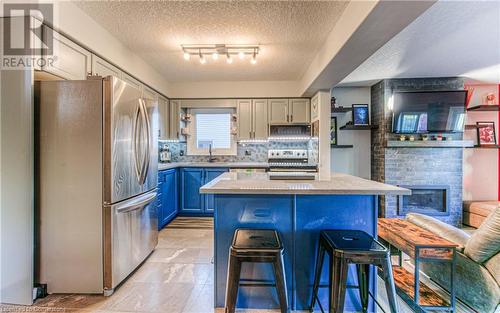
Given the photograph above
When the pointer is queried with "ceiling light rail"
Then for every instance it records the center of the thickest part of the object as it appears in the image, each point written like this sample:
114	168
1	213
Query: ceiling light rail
220	50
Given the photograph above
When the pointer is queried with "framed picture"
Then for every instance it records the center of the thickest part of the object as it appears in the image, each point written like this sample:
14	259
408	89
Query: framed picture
333	131
360	114
486	133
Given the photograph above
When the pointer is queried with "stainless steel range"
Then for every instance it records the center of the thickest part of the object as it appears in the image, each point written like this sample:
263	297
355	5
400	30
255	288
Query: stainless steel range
287	164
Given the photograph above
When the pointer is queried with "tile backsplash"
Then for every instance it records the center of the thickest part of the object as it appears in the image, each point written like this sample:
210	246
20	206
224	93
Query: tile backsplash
246	152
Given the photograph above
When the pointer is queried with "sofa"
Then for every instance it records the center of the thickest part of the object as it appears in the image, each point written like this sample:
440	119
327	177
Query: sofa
478	261
475	212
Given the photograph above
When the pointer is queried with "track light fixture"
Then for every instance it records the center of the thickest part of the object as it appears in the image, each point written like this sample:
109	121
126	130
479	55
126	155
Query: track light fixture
202	51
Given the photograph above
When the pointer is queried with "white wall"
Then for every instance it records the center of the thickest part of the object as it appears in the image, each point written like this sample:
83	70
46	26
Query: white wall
481	165
75	23
355	161
236	89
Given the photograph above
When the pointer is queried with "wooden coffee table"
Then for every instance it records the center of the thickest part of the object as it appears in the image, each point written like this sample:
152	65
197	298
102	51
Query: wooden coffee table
422	246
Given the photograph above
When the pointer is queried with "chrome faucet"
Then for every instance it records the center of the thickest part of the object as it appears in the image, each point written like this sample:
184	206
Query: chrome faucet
210	158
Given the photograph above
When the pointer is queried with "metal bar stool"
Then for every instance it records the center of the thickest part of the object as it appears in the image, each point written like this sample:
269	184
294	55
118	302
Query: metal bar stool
352	247
257	246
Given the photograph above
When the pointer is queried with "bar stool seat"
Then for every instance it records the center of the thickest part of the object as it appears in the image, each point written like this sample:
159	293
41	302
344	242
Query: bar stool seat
352	247
255	246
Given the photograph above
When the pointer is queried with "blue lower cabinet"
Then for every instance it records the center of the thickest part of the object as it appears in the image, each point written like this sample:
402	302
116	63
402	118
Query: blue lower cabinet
192	202
168	201
191	199
211	174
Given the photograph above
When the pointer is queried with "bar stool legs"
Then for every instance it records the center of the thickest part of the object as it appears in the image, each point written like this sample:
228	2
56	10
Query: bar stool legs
352	247
363	283
255	246
389	284
233	282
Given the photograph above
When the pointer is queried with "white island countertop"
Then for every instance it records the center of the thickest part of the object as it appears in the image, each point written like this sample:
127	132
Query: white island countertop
336	184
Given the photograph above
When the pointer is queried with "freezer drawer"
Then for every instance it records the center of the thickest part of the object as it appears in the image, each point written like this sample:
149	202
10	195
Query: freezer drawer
131	233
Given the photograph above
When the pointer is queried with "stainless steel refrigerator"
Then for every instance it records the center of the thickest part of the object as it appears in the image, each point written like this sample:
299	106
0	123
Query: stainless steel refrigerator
96	183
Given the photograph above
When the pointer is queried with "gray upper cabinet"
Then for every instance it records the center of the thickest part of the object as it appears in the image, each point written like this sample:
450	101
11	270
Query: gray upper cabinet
260	119
300	111
245	119
103	68
175	110
163	118
70	61
132	81
278	111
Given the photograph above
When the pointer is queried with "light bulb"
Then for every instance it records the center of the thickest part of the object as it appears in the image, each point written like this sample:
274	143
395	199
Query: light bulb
187	56
241	55
229	59
215	55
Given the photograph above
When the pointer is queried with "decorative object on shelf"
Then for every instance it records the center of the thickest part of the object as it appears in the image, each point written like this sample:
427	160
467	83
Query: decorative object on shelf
185	131
216	50
425	137
439	137
402	137
234	131
470	92
412	138
360	114
333	102
486	134
333	131
234	117
490	99
186	117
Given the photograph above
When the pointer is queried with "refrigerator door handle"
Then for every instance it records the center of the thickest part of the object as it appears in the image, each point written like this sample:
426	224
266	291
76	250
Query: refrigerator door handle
135	140
147	150
137	204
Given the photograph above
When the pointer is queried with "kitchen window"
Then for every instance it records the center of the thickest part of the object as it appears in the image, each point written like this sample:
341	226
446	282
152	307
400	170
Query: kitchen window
211	127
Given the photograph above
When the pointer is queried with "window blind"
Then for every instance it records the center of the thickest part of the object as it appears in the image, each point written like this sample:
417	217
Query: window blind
214	129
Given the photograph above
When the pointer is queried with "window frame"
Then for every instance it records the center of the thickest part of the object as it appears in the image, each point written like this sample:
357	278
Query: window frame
192	147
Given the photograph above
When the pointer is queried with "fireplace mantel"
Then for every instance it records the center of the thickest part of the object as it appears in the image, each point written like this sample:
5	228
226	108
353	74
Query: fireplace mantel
430	144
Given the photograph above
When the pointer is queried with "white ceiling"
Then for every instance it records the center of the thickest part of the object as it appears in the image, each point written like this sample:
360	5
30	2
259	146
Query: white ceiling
452	38
290	34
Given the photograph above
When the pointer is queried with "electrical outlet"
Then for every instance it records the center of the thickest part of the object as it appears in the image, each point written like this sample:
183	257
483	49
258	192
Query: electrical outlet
247	152
181	153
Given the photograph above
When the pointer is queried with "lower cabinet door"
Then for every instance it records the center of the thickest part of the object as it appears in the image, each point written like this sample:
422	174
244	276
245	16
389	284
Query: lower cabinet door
191	199
167	197
211	174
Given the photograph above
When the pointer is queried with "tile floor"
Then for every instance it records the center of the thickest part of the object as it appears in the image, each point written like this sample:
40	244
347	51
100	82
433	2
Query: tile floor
176	278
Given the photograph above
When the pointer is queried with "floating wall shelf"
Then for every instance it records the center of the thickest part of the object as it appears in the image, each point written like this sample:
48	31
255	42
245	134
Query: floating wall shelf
342	110
358	127
475	126
486	147
341	146
485	108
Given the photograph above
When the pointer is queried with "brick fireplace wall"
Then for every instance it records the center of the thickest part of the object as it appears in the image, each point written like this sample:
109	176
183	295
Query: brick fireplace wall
414	166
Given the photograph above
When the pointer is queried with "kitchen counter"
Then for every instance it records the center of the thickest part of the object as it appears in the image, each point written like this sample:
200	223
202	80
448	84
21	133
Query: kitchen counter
166	166
336	184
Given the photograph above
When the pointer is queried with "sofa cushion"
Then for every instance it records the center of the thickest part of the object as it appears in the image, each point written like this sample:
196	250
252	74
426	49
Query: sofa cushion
475	212
483	208
493	266
485	242
441	229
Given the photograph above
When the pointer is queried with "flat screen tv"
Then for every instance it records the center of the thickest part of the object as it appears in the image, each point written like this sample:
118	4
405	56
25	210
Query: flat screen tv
428	112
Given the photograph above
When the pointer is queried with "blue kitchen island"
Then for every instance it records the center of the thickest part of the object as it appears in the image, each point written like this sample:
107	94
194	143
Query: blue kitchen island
298	210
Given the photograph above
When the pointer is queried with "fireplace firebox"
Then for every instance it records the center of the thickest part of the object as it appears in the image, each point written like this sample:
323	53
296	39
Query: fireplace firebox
425	199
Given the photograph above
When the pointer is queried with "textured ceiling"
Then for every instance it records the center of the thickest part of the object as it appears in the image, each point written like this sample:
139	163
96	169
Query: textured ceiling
452	38
290	34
